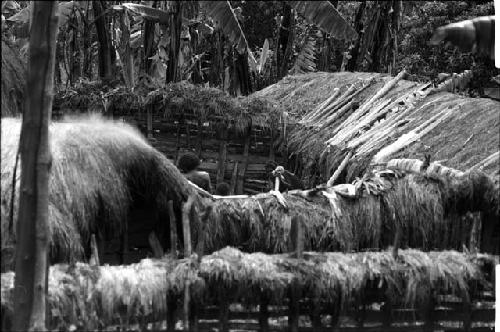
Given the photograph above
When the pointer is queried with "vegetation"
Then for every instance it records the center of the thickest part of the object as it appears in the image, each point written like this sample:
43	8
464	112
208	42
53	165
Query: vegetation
243	46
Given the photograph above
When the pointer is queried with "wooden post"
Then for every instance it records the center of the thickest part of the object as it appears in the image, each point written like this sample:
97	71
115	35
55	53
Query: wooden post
339	170
243	169
467	320
297	235
173	228
171	307
224	315
199	149
155	245
149	120
188	135
234	178
221	164
264	314
178	141
429	313
271	145
387	311
124	243
94	256
186	209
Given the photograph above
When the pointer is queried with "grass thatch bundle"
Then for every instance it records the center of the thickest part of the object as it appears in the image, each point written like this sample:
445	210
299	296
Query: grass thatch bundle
13	81
177	100
428	208
99	168
89	296
335	113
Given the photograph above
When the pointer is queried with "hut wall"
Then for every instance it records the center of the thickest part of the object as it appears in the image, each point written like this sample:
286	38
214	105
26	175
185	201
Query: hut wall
173	138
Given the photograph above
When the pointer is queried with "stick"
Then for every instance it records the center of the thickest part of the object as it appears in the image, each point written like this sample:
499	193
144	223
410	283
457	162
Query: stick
186	209
94	256
155	245
277	183
173	228
339	170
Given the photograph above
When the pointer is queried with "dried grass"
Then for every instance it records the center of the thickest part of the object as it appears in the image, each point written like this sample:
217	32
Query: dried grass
98	168
92	297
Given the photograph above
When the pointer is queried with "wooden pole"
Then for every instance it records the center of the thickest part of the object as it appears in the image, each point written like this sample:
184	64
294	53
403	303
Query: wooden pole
264	314
223	315
186	211
124	243
32	247
171	307
243	169
149	120
173	228
298	247
339	170
155	245
234	178
94	256
221	164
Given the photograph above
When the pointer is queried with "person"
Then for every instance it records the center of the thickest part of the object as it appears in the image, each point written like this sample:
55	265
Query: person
288	180
188	165
223	189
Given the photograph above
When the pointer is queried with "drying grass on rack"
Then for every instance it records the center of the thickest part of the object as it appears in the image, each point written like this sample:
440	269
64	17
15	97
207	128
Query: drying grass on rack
98	167
236	114
428	206
92	297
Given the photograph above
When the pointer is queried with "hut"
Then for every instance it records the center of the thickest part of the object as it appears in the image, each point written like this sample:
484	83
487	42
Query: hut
104	178
233	137
373	117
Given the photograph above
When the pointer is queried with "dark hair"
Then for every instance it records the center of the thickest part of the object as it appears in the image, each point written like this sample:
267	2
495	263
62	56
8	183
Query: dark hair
188	162
222	189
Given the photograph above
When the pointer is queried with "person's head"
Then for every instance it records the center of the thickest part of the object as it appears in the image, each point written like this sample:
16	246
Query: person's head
188	162
223	189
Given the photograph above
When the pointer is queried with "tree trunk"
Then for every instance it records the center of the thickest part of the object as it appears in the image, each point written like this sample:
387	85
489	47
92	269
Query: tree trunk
286	37
32	226
87	45
149	35
175	40
358	26
127	57
74	56
106	51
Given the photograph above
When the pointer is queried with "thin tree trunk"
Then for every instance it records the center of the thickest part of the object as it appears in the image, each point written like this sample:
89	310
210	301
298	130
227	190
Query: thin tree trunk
149	34
358	26
32	226
285	40
175	40
74	57
87	45
126	52
105	48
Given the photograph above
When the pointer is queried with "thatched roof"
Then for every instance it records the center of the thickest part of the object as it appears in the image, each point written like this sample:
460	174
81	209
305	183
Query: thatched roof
428	207
174	102
13	81
458	131
140	290
98	168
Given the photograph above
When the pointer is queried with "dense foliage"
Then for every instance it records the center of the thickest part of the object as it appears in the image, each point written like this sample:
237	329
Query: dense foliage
140	40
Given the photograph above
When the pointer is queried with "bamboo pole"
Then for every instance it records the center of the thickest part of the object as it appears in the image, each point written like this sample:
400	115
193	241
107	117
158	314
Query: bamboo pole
221	163
149	121
94	257
297	234
223	315
241	173
264	314
155	245
186	210
339	170
234	177
173	228
323	105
